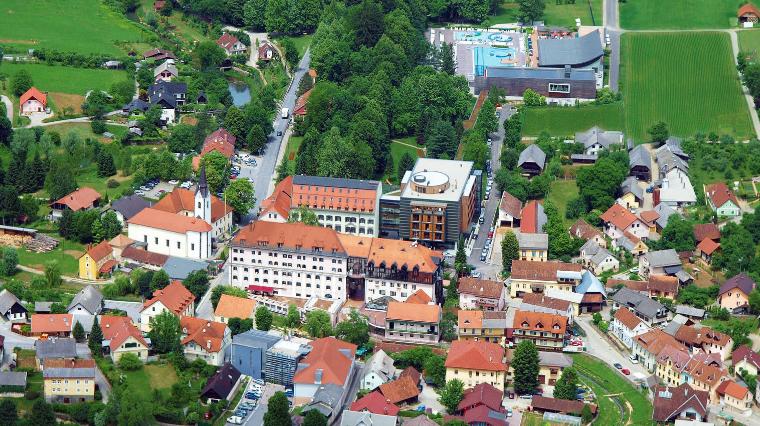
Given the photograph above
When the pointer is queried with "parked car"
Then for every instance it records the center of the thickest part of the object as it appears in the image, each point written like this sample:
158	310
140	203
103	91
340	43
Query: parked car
421	409
526	396
509	412
633	359
252	395
173	182
476	274
483	257
625	371
235	420
482	219
617	365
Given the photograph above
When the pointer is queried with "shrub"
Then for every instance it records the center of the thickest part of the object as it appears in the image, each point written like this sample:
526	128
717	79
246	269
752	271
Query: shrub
31	395
98	127
112	183
130	362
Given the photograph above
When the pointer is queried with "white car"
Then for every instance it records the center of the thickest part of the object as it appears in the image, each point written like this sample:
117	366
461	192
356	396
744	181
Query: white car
235	420
633	359
173	182
185	185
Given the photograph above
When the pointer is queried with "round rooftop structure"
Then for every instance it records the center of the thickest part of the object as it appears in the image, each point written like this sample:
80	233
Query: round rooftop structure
430	182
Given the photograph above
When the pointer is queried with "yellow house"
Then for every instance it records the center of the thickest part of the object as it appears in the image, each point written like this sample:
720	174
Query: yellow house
539	277
533	247
123	337
68	380
482	326
96	261
629	200
476	362
735	396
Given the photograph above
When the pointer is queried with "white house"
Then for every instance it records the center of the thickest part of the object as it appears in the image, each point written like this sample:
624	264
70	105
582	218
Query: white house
378	370
676	190
595	139
625	326
174	298
206	340
618	220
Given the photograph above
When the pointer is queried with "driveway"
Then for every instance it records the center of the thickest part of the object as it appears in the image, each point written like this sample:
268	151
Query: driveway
256	418
83	351
13	340
8	107
429	398
598	346
204	309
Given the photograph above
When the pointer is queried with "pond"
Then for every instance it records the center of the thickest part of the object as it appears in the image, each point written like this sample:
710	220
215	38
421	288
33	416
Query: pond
241	93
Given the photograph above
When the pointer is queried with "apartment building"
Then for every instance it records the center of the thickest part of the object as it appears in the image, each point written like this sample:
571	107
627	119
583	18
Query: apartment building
69	380
412	323
537	277
546	331
475	363
476	293
487	326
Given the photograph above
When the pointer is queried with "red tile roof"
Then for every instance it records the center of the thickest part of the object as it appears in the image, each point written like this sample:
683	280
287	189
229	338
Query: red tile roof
174	297
701	336
671	402
419	297
510	205
301	103
708	246
52	323
728	387
400	390
33	93
655	340
529	220
706	230
375	403
658	283
541	271
475	355
220	141
108	266
481	288
327	196
118	329
183	200
543	403
748	9
744	353
584	230
649	216
539	321
144	256
413	312
227	41
207	334
618	216
82	198
329	356
482	394
100	251
280	200
69	363
159	219
538	299
291	236
627	318
719	194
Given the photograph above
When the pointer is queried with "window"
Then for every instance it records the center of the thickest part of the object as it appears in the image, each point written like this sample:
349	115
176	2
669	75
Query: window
559	88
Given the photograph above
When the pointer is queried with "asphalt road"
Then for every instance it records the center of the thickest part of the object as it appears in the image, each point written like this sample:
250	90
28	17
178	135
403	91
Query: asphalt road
353	389
488	270
256	418
268	162
612	28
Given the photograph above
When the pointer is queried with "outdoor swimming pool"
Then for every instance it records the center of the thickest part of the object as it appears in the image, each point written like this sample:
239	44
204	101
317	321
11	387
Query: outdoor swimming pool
482	36
491	57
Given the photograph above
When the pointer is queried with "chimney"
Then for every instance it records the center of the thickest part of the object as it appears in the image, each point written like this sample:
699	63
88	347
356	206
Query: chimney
208	344
567	71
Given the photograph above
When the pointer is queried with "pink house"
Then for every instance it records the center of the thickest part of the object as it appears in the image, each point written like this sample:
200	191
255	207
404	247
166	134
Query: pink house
32	101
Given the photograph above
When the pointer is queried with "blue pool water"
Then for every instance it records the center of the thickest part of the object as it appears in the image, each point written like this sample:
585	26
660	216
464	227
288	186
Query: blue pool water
481	37
491	57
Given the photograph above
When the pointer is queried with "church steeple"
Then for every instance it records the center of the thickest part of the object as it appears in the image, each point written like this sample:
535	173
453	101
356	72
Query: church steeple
202	184
203	198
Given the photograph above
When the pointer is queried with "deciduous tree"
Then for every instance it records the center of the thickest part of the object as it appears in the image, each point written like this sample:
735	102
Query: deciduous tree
525	363
318	324
278	411
354	329
263	318
239	195
510	250
165	332
451	395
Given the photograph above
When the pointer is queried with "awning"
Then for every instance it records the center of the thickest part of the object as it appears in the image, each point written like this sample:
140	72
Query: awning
260	288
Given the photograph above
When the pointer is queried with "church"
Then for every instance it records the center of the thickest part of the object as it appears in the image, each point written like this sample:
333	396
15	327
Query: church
182	224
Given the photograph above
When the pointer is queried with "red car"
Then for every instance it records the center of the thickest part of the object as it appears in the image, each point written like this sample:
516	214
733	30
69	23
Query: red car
625	371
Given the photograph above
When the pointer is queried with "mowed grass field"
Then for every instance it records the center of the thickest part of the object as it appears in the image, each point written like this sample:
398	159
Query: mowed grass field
60	79
82	26
749	40
688	80
565	121
679	14
554	14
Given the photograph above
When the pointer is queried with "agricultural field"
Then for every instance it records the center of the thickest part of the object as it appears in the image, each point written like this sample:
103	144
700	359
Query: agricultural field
687	80
66	80
554	14
565	121
82	26
679	14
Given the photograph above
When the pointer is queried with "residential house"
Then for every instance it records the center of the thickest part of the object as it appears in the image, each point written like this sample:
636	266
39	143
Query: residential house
249	351
539	302
650	311
375	403
598	259
625	325
631	194
128	206
722	200
135	106
378	369
11	309
120	337
706	250
680	402
231	45
649	218
404	390
533	247
533	218
412	323
532	161
475	293
331	361
595	140
671	363
660	262
59	325
648	346
32	101
550	366
88	301
583	230
169	96
206	340
671	157
328	400
81	199
745	359
12	381
748	15
640	163
571	297
510	210
221	141
482	394
665	212
221	386
593	293
118	244
234	307
366	418
618	220
476	362
543	404
54	347
734	293
538	277
690	312
488	326
159	55
657	286
69	380
704	372
735	396
300	108
705	340
631	243
706	231
174	298
184	202
266	51
546	331
675	190
96	261
419	297
165	71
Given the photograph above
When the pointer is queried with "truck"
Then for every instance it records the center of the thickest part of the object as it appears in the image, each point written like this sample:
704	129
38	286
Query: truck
284	113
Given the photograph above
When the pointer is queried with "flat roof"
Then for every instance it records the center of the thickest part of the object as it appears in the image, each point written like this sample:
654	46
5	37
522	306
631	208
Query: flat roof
335	182
437	172
540	73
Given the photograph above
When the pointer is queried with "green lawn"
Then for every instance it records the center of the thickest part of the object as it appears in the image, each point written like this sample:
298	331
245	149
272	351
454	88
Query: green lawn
60	79
152	376
554	14
66	254
560	193
565	121
749	40
398	148
688	80
611	389
82	26
679	14
533	419
294	142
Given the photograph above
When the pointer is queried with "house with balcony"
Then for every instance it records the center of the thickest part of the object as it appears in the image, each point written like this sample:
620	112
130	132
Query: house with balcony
206	340
538	277
487	326
413	323
546	331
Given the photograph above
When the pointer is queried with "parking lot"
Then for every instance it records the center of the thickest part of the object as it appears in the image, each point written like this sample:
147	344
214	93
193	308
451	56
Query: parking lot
256	417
